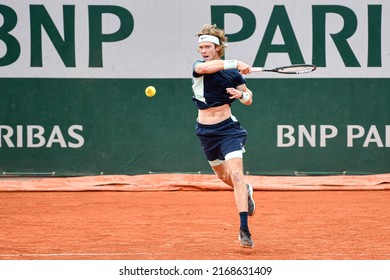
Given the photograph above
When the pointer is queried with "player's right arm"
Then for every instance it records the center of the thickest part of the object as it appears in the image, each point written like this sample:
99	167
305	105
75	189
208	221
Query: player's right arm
209	67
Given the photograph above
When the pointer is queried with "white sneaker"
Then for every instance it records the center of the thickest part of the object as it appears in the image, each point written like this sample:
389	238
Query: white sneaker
251	202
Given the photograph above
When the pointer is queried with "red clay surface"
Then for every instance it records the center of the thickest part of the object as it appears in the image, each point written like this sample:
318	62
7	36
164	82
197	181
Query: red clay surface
193	225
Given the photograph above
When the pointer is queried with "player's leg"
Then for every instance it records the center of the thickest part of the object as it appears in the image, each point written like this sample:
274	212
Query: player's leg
220	169
223	173
234	165
220	150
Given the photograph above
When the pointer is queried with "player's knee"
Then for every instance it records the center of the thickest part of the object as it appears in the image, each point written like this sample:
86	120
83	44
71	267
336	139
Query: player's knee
237	176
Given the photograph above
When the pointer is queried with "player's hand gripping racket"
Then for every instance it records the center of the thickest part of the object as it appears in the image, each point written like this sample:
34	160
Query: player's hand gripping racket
289	69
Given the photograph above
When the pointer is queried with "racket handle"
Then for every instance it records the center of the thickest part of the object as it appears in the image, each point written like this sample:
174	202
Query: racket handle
257	69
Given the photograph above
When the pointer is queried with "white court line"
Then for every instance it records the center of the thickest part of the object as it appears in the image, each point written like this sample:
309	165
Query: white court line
68	254
131	254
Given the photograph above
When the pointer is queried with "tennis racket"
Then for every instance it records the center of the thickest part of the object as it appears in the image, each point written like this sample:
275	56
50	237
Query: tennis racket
289	69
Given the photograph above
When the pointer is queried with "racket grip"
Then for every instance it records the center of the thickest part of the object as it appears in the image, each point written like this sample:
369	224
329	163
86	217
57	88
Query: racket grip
257	69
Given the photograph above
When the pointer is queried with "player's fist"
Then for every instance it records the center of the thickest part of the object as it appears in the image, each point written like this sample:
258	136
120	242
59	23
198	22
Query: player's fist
243	68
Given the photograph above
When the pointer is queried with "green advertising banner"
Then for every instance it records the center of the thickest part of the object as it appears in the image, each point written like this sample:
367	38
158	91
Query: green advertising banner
73	76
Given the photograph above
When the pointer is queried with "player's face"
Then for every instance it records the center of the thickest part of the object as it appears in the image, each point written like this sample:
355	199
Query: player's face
208	50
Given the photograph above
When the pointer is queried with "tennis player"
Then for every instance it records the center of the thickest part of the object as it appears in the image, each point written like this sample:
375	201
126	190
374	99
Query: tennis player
216	84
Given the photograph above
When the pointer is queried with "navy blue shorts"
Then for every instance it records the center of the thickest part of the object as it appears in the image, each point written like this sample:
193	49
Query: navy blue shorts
218	140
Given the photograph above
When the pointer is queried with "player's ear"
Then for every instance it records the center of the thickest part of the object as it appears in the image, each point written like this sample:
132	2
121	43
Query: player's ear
218	49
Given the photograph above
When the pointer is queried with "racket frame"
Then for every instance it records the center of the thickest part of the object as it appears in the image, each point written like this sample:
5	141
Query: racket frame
310	68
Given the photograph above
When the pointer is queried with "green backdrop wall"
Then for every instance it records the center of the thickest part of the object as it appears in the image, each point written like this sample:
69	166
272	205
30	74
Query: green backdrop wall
118	130
73	75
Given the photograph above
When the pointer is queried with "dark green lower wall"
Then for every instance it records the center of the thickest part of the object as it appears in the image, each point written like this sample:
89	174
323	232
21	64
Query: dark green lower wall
125	132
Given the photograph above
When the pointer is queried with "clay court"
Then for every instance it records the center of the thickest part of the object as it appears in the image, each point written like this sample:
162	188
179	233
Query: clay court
193	217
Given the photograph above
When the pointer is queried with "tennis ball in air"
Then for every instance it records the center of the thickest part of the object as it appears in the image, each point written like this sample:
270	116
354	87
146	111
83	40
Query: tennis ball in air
150	91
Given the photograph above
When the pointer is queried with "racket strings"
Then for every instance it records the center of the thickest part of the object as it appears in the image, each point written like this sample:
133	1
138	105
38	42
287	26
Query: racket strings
298	69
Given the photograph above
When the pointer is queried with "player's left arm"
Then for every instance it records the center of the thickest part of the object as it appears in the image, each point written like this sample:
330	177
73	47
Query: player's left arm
242	93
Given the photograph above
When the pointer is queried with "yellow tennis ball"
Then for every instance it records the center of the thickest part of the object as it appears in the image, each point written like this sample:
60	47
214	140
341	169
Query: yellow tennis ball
150	91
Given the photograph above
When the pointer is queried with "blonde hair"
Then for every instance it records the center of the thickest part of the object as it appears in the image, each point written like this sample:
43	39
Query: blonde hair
212	29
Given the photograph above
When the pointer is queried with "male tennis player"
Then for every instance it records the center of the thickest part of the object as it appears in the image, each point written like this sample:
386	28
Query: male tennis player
217	84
